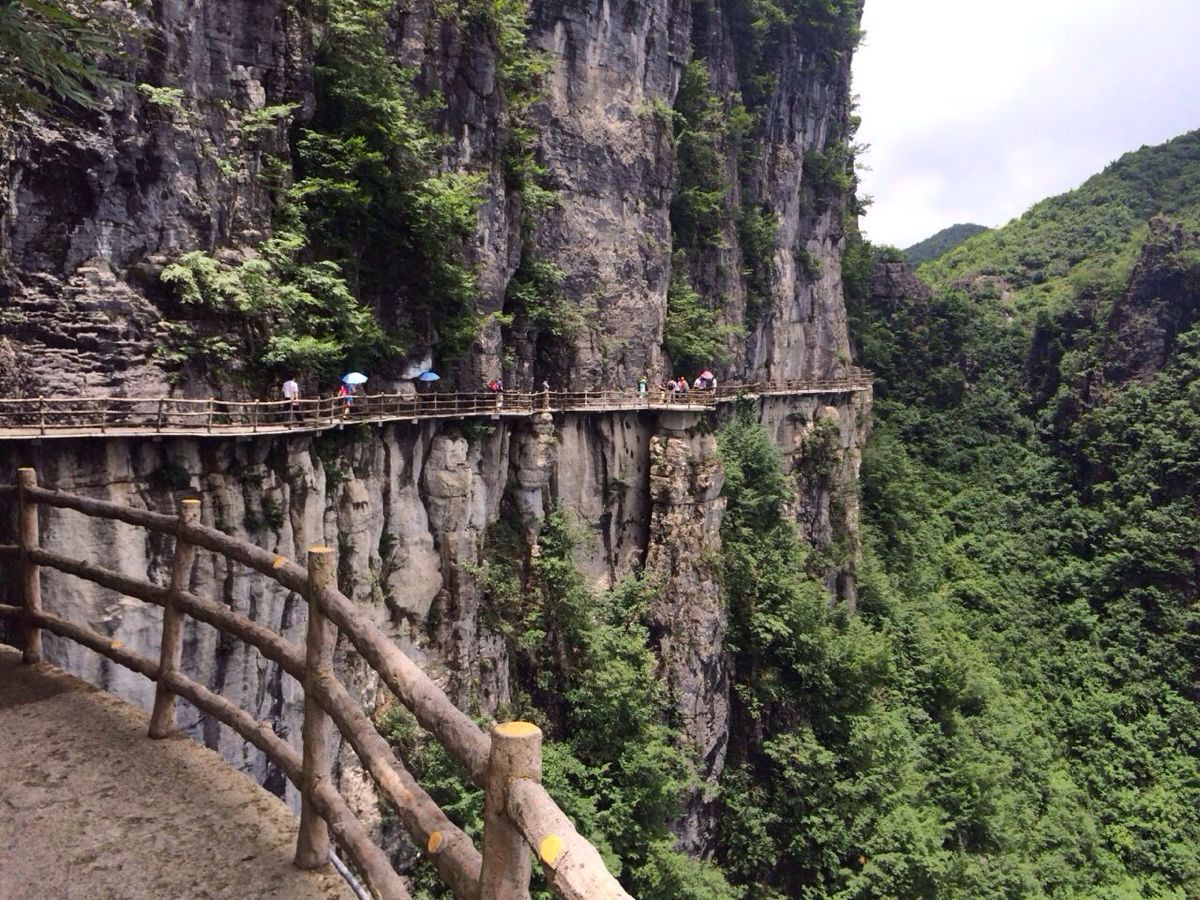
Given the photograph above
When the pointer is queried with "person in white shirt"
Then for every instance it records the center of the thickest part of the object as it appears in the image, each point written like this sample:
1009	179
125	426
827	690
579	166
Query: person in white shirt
291	393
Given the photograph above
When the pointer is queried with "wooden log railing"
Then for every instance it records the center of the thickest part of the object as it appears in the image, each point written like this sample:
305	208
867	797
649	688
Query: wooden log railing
78	416
519	813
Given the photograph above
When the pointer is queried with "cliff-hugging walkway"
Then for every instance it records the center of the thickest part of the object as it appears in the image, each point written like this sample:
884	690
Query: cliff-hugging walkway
89	808
37	417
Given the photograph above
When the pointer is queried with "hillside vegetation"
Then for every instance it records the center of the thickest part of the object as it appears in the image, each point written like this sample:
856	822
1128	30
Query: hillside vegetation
1031	490
941	243
1082	242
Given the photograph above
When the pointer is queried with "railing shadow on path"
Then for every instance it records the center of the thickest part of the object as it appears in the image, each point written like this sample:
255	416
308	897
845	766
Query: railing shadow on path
91	809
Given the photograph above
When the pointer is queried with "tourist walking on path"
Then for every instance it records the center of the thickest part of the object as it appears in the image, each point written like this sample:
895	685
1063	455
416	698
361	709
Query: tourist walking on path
346	393
350	383
291	393
496	386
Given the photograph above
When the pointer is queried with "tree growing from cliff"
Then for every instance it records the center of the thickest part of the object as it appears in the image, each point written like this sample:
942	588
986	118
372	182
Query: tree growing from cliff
692	335
588	677
376	227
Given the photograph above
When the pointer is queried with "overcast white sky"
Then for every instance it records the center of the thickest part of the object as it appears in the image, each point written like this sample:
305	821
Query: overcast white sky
976	109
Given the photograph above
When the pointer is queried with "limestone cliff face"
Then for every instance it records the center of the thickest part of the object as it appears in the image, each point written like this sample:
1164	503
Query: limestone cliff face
802	331
406	507
892	282
1161	302
780	173
93	207
610	157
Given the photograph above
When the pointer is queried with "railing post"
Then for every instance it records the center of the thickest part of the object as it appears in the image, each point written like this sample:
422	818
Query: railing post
210	414
254	417
162	720
312	843
103	414
41	415
31	573
516	753
161	401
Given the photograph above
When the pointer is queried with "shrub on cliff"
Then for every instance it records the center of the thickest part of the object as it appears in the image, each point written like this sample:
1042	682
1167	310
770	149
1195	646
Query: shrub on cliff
287	314
587	676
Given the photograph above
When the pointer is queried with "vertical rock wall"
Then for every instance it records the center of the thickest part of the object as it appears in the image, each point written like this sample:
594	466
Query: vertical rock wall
94	209
798	329
407	507
91	208
606	143
802	332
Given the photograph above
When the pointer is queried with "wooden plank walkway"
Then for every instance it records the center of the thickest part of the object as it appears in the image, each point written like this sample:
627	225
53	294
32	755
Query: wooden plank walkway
91	808
76	417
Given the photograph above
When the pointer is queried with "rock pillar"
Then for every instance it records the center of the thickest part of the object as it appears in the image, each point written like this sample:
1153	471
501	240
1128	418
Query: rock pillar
688	620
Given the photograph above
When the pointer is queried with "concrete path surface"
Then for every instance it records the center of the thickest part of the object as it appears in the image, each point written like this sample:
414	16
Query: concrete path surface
91	808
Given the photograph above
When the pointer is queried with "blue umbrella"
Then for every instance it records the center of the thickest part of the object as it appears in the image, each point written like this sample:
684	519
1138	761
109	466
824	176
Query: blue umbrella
354	378
429	376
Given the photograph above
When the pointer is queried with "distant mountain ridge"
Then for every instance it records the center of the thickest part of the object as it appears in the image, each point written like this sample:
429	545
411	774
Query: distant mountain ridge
1083	242
942	242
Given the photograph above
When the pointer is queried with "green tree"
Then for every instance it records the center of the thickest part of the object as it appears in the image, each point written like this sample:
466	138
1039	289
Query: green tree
589	680
692	336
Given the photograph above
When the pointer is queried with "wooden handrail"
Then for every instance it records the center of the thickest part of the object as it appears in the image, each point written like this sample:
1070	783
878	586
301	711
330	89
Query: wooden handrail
573	867
456	859
516	754
312	844
412	686
162	720
31	584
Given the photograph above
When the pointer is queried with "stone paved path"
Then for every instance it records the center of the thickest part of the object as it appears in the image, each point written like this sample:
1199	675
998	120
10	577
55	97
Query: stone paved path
91	808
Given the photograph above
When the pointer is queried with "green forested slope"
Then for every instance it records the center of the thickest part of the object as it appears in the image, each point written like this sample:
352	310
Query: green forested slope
1036	495
941	243
1013	712
1082	241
